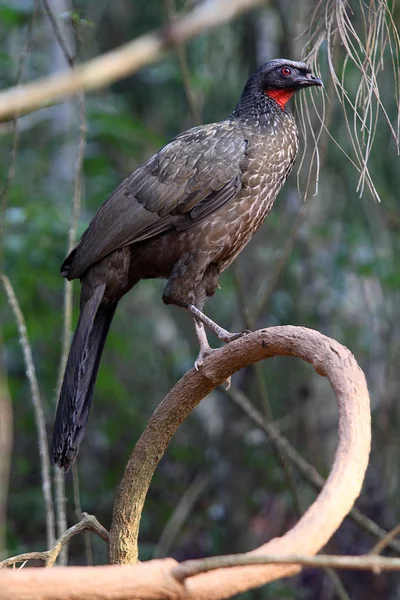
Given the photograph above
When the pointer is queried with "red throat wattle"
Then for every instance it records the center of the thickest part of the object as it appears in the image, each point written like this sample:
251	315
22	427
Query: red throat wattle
281	97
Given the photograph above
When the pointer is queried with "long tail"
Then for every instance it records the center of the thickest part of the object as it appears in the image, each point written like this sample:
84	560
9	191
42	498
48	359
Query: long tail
79	378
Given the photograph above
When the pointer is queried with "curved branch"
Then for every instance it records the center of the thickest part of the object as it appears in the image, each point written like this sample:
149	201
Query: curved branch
324	516
122	61
157	579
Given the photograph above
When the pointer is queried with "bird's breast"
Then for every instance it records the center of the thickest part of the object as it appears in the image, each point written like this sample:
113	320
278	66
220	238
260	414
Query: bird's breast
270	160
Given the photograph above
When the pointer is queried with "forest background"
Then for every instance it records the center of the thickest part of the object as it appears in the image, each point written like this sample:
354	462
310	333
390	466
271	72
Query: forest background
330	263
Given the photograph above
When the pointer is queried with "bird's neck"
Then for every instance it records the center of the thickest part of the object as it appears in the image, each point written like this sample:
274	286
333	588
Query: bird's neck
281	97
263	109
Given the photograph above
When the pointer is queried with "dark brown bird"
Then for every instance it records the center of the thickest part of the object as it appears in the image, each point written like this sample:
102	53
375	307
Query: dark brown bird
183	216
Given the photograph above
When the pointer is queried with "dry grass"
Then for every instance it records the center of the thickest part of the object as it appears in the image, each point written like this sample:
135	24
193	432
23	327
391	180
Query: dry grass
359	41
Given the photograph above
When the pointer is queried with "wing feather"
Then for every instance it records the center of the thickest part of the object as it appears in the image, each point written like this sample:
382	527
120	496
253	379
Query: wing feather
191	177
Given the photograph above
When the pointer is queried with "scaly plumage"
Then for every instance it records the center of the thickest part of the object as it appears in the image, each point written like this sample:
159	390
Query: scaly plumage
184	216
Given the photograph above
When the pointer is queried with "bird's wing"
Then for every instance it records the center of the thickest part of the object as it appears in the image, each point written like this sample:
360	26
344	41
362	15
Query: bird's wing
191	177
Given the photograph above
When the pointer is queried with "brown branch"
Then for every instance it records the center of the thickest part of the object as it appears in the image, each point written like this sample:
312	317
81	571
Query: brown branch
49	557
93	583
365	562
156	579
37	406
386	541
121	62
342	487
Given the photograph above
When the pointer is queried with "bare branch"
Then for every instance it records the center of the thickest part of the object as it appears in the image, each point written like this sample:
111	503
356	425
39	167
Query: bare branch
389	537
180	514
342	487
123	61
49	557
68	286
366	562
37	405
156	579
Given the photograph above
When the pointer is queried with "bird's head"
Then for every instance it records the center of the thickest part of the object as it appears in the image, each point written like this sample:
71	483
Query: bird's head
278	79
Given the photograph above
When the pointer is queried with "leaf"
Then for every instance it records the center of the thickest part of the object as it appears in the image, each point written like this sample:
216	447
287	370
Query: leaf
13	16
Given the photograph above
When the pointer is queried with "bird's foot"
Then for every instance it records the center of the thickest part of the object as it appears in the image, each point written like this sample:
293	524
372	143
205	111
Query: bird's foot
204	352
230	337
198	363
220	332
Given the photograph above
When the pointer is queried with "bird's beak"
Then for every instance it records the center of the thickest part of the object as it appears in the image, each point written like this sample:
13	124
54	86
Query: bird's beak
308	80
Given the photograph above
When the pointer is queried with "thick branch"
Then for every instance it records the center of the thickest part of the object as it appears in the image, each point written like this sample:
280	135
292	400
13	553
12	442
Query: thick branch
342	487
123	61
156	579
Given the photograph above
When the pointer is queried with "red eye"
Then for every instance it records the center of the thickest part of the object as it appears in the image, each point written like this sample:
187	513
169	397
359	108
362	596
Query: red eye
285	71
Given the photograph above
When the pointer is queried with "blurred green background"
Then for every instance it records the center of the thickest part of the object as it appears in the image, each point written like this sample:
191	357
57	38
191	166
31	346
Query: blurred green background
341	277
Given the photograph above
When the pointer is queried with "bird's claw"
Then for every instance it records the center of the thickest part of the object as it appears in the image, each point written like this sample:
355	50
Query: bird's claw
227	383
230	337
198	363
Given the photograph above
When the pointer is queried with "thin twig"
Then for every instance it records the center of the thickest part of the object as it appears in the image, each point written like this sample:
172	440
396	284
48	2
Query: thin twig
263	395
366	562
6	421
389	537
78	513
337	584
180	514
37	405
306	469
68	289
49	557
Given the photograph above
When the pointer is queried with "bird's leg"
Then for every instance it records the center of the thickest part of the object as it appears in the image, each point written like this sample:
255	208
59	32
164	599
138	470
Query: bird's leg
191	281
220	332
205	348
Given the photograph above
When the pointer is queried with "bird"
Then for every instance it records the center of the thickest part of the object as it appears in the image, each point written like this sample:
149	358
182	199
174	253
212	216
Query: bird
184	215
